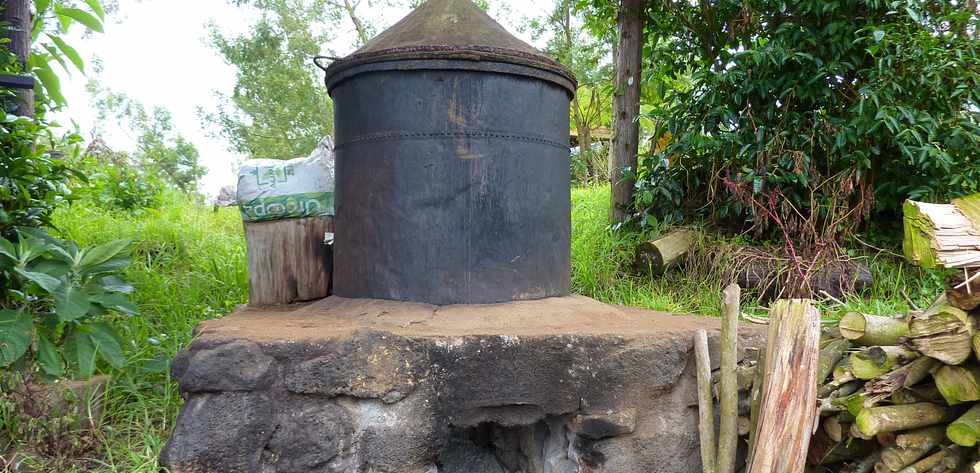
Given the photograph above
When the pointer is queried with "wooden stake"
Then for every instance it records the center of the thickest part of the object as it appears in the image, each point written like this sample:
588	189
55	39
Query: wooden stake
706	421
756	400
789	395
728	385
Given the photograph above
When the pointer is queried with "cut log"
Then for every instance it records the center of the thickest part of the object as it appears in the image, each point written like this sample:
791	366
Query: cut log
965	430
872	362
728	384
942	332
657	256
834	429
867	463
874	420
911	446
964	297
903	376
831	354
838	279
789	394
870	330
958	384
926	464
706	421
288	260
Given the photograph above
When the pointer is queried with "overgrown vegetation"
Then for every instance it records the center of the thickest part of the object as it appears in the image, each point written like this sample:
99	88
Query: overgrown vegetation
812	121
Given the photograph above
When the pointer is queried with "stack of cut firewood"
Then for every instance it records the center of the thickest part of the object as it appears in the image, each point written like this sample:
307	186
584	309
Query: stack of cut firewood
943	235
900	394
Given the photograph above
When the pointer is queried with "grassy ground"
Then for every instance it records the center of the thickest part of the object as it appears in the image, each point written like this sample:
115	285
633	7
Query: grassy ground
190	266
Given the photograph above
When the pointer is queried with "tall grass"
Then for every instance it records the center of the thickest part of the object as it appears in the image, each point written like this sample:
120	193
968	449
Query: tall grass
189	265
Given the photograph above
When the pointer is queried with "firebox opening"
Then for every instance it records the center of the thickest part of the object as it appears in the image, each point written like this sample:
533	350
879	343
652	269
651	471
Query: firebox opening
545	446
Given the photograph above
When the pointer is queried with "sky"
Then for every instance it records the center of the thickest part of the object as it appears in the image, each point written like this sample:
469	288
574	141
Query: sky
156	52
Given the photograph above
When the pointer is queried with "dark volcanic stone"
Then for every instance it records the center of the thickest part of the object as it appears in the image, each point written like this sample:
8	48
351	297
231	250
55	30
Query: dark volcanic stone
562	385
222	432
369	365
311	435
239	365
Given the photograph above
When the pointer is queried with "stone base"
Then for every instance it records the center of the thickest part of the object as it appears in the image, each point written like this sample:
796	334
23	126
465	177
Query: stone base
559	385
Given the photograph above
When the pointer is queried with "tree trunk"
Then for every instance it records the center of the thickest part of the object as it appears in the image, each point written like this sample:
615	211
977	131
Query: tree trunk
17	13
288	260
627	100
789	394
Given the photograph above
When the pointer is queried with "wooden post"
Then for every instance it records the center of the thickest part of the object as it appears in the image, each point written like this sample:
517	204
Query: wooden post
706	418
728	386
626	139
17	13
789	394
288	260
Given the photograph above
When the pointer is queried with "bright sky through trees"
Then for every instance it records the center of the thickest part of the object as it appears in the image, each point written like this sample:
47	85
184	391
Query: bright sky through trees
156	52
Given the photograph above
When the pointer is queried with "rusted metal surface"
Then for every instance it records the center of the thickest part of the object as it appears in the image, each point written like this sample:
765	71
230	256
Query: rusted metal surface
452	164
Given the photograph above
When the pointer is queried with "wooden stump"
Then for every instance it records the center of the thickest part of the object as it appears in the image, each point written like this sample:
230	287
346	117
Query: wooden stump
288	260
789	393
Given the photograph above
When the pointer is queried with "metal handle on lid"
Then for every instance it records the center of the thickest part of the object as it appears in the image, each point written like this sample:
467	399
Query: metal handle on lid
317	59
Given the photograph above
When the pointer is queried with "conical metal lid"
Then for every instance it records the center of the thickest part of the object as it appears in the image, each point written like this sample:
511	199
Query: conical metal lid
455	30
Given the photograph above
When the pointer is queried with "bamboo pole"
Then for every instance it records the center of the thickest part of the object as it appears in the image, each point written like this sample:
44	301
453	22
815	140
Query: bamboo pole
728	385
706	421
789	394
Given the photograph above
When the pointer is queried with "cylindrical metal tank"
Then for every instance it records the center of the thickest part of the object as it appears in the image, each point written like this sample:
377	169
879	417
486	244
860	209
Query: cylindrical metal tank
452	173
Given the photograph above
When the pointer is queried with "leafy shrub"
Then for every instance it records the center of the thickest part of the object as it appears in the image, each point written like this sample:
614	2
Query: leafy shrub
807	117
112	182
55	301
32	181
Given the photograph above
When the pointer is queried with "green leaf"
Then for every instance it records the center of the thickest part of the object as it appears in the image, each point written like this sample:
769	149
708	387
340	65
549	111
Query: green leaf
107	343
7	249
47	282
102	253
96	7
49	358
41	6
70	303
114	301
80	16
54	268
115	284
16	329
70	52
50	81
111	266
82	352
